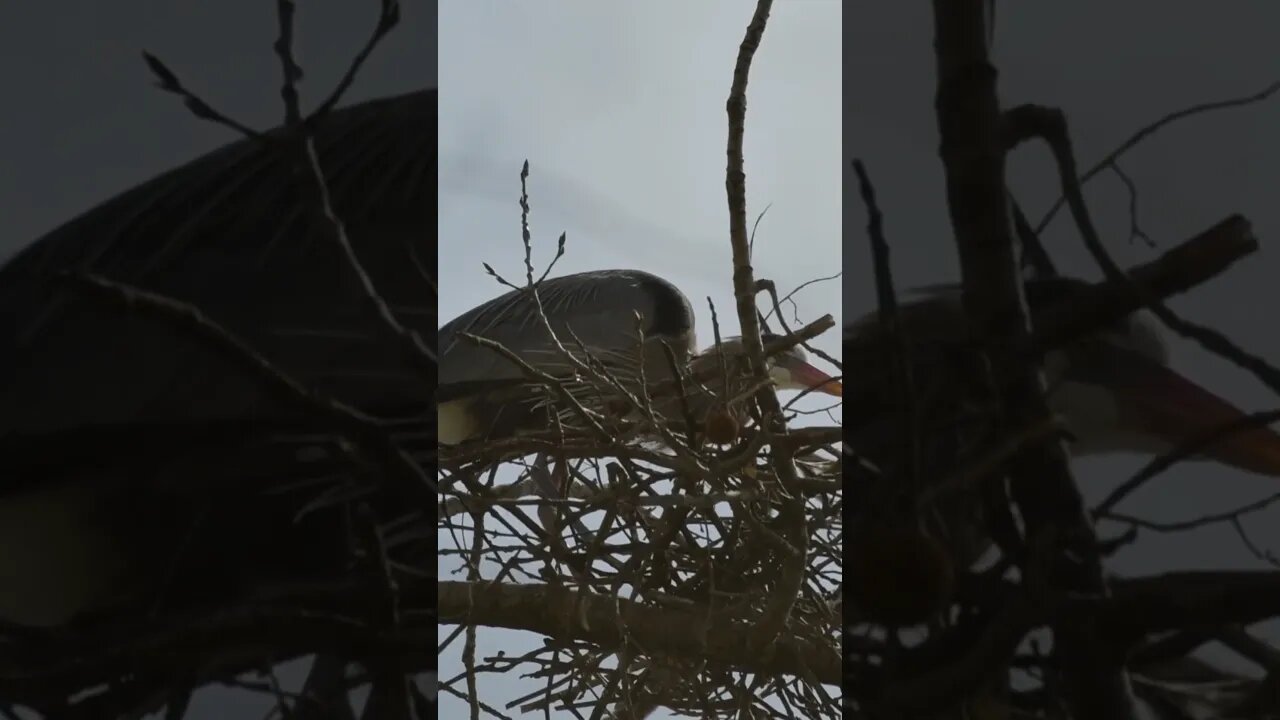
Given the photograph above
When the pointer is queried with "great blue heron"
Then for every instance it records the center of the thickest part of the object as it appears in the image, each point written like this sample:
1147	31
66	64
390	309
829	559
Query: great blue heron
482	394
596	317
1113	391
128	451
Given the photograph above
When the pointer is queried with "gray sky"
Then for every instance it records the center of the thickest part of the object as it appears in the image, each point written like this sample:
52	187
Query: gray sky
82	121
619	108
1112	67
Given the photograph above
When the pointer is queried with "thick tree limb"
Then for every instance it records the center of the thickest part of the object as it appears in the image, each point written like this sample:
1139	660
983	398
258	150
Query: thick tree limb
973	150
1145	605
791	576
1187	265
613	623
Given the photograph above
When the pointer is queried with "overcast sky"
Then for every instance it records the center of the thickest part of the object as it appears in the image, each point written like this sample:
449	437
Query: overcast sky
1112	67
82	120
620	110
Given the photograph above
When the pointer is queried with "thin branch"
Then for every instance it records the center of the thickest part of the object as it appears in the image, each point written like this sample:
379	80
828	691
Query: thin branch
1185	451
1033	253
1190	263
370	437
1050	125
415	350
1135	231
168	81
388	19
1159	603
892	327
973	151
690	635
1148	130
1201	521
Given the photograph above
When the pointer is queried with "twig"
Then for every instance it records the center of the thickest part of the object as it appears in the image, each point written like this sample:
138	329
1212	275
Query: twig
791	577
370	437
1185	266
892	327
1201	521
388	19
1266	556
1050	124
168	81
417	353
1033	252
987	462
768	286
660	631
1184	451
1157	603
1149	130
552	383
974	154
1135	231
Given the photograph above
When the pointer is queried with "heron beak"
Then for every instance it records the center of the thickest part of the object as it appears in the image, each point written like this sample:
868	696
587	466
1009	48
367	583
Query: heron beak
1178	411
806	376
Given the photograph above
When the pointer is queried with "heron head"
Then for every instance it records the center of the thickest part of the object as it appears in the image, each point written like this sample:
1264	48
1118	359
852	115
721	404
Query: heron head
1117	392
789	369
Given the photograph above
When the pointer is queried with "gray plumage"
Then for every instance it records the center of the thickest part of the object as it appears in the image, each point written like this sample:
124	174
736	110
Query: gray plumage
599	308
483	394
589	305
951	378
132	459
228	233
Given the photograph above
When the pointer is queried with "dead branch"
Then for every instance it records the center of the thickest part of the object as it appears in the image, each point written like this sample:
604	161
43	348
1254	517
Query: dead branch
1050	125
791	577
973	150
1150	129
370	437
609	623
1146	605
1181	268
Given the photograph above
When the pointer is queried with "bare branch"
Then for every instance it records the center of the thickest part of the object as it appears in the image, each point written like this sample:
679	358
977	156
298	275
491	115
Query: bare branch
973	152
612	622
1152	128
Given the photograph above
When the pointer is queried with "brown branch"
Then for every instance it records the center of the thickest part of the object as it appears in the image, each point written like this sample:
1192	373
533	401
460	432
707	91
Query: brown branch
1135	230
1196	522
892	328
245	636
543	378
1170	601
768	286
1031	605
1185	266
1148	130
744	286
790	579
612	623
1050	124
419	355
388	19
371	439
168	81
973	153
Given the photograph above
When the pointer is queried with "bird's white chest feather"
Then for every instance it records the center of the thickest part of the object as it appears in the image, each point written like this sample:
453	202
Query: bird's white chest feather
454	422
55	559
1095	420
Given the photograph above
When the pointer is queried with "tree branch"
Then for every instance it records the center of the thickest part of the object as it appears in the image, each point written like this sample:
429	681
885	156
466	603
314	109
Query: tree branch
973	150
612	623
